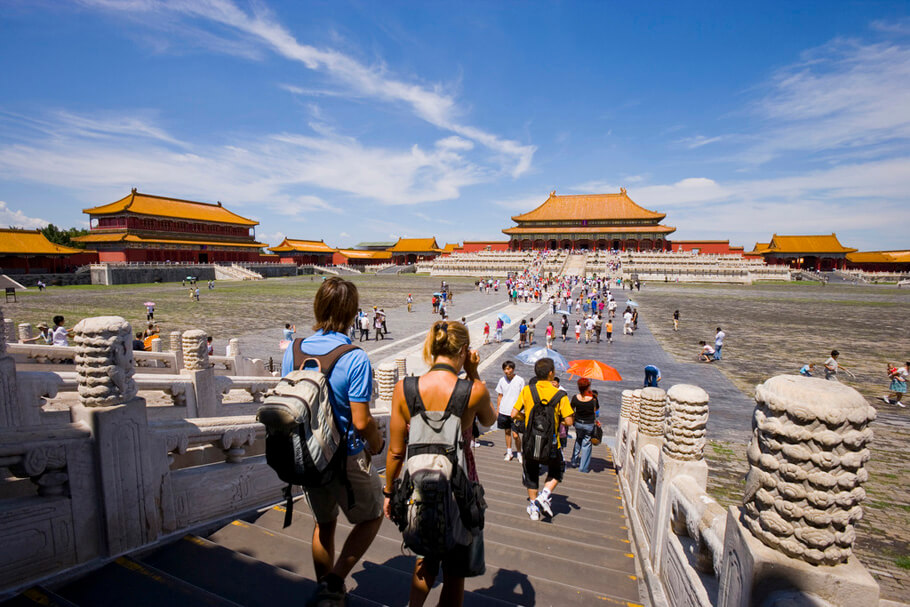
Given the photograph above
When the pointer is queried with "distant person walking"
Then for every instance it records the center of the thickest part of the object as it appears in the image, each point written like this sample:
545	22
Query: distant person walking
676	320
486	333
410	301
150	311
898	385
586	406
832	367
508	389
499	326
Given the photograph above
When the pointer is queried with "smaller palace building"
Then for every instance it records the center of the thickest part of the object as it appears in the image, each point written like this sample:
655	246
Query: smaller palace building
822	252
146	228
304	252
590	221
412	250
29	252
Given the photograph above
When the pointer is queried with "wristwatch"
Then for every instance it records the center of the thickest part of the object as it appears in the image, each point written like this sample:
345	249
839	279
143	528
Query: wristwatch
388	493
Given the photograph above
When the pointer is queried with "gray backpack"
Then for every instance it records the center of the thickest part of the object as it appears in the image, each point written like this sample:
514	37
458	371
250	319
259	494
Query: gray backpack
435	505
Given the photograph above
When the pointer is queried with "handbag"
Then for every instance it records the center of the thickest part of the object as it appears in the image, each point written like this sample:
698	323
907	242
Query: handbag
598	435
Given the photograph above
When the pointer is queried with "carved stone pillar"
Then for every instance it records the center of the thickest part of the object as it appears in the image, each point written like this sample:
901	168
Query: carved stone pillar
631	452
9	329
386	378
233	348
156	345
129	478
402	364
622	429
650	436
802	497
196	365
175	345
25	331
10	415
681	458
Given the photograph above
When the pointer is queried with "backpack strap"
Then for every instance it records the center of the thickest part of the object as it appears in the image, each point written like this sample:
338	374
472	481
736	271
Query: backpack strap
460	397
535	395
412	396
326	361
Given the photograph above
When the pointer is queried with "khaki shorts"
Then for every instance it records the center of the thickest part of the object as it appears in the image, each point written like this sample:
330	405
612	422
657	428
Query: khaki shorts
325	501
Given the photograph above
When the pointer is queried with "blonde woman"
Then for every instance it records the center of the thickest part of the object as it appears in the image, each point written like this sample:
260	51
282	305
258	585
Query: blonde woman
447	351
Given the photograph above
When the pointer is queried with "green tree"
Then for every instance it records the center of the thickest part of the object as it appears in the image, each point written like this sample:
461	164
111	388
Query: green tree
64	236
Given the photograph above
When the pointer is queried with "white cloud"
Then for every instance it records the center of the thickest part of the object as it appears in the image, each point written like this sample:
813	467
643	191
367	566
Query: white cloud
455	143
18	219
700	140
344	235
430	103
522	203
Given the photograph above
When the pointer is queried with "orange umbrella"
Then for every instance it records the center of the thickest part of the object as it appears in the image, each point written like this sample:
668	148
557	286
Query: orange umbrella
593	369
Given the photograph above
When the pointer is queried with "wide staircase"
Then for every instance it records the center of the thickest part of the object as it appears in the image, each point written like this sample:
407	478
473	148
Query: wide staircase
235	272
582	556
576	265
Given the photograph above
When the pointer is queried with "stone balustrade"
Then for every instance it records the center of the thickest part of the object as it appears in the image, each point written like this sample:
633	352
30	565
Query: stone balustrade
791	540
109	474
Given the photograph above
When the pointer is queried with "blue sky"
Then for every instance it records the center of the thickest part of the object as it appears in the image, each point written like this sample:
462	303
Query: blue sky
352	121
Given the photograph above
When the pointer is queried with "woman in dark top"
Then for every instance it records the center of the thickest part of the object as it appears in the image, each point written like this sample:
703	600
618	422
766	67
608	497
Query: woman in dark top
586	407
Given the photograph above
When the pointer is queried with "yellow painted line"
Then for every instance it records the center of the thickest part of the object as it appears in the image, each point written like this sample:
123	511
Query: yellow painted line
633	578
630	555
137	568
626	541
248	526
195	540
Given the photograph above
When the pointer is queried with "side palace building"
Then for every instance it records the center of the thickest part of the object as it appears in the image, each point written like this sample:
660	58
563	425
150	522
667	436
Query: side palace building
590	221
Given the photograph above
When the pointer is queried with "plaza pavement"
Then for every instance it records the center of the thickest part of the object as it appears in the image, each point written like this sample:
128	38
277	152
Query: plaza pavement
730	409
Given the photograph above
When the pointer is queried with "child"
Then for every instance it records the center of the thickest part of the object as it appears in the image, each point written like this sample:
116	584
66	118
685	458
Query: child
609	328
577	331
486	333
898	387
807	370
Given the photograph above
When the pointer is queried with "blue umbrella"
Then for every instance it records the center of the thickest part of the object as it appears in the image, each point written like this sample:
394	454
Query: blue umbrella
505	318
529	357
631	303
566	312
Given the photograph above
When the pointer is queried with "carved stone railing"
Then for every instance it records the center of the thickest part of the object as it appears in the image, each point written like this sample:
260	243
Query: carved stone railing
109	474
791	541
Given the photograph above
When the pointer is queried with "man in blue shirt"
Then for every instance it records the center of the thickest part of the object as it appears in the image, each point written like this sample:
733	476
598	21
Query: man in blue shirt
652	376
335	307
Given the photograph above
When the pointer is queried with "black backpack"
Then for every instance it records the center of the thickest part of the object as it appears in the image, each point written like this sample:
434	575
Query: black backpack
541	427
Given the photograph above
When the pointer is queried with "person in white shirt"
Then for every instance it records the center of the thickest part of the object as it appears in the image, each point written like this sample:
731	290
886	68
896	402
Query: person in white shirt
707	352
508	390
589	329
627	322
718	343
60	334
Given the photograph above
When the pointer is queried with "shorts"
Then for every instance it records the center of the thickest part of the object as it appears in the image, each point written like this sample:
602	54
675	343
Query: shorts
461	561
504	422
325	501
530	470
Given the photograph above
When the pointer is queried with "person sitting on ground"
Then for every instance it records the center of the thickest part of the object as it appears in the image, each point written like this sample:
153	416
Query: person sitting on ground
807	369
652	376
586	406
351	382
707	352
447	350
898	386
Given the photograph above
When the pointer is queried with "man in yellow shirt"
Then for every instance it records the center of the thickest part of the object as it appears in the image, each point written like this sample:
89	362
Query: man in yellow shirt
555	399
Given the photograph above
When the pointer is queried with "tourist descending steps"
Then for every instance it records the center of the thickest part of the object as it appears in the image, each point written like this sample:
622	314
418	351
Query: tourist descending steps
438	504
508	390
359	496
542	407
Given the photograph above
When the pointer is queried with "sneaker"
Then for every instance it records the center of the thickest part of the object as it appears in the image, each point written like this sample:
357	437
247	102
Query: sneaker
544	504
508	456
533	511
520	458
323	597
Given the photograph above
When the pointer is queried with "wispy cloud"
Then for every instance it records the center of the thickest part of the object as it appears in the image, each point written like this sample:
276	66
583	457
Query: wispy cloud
17	219
700	140
430	103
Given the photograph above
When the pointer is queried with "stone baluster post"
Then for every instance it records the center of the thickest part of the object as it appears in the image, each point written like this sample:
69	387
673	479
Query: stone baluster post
9	401
651	413
681	458
196	365
175	345
631	451
9	329
386	378
233	347
402	364
25	332
622	429
125	454
156	345
793	537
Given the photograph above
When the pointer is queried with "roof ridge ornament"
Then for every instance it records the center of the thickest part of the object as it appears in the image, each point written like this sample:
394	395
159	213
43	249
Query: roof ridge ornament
553	194
622	191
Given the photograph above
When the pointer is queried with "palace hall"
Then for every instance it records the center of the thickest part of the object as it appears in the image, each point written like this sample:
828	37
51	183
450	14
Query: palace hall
590	221
143	227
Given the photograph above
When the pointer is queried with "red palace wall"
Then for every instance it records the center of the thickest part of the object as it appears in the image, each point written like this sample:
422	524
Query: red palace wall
708	247
473	247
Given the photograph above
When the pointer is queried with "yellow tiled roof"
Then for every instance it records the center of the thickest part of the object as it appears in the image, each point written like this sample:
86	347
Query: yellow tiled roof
879	257
28	242
358	254
588	206
822	243
302	246
414	245
133	238
450	247
160	206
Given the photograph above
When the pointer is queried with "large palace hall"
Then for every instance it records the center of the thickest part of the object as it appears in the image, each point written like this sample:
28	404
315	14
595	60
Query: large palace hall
590	221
